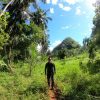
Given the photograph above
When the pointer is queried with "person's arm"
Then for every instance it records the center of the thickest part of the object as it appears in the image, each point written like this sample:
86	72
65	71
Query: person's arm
45	69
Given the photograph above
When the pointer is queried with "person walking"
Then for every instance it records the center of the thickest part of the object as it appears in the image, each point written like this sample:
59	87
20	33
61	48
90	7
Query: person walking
49	72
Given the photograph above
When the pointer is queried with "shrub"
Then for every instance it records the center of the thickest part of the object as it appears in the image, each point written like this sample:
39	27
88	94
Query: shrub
3	67
94	66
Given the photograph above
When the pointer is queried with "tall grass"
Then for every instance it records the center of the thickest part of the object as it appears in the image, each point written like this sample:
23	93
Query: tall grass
19	85
72	78
75	82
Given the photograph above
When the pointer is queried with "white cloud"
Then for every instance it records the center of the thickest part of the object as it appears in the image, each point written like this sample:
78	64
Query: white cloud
47	1
60	5
65	27
57	42
66	8
78	11
71	1
89	3
51	10
54	2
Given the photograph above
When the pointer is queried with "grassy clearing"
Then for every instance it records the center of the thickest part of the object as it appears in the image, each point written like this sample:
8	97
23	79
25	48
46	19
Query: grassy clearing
71	78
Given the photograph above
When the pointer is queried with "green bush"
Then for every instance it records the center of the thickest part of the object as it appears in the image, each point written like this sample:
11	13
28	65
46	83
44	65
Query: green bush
94	66
3	67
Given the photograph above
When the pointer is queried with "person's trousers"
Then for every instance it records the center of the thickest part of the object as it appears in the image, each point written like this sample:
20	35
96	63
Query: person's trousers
50	79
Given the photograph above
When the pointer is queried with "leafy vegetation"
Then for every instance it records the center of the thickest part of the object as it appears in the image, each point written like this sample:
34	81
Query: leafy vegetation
22	66
20	85
3	35
72	78
75	80
96	21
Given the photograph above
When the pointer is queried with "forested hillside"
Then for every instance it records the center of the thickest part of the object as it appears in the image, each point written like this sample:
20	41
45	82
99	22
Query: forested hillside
68	47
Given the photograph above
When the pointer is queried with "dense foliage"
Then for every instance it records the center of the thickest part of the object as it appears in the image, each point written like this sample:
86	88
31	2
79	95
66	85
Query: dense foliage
96	21
3	35
18	33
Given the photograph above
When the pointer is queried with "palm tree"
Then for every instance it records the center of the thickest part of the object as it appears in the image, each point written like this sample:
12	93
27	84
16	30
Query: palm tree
40	18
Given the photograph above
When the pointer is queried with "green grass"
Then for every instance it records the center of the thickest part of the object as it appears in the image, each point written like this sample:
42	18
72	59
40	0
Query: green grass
74	81
19	85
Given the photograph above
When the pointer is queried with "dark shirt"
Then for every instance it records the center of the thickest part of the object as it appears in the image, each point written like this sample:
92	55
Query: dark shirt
49	68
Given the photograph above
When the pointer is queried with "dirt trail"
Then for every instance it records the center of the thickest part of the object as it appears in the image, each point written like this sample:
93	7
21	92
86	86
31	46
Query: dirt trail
54	94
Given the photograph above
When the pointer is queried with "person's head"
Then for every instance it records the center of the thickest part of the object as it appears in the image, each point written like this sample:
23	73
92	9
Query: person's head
49	59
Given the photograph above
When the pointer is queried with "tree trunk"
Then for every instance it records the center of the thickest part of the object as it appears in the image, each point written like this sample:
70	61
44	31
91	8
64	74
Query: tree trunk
9	58
30	64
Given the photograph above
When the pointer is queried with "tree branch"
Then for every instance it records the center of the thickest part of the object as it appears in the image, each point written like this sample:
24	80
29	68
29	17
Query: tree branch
6	7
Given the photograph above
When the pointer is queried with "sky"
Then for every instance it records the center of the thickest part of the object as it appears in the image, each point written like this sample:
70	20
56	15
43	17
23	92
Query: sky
70	18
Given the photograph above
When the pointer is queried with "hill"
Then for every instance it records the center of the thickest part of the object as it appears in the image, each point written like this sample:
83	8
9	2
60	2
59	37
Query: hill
67	48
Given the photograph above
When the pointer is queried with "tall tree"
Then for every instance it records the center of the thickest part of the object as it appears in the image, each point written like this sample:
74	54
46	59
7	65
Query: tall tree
40	19
96	21
22	35
94	41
